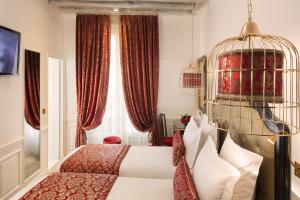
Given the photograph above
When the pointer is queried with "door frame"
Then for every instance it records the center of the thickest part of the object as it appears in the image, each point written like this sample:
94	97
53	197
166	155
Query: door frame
61	105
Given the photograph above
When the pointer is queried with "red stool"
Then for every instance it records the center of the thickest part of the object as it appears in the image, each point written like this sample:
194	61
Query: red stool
112	140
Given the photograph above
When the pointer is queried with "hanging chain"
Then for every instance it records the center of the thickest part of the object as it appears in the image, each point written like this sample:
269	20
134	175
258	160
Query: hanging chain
193	4
250	7
192	38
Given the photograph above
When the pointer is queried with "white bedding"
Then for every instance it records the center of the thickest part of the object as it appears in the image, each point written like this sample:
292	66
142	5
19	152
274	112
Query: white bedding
145	162
148	162
139	188
154	164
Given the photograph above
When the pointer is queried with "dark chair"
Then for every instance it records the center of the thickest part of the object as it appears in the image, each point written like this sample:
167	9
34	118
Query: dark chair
164	139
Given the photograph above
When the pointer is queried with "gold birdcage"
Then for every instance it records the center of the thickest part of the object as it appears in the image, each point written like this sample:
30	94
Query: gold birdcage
257	71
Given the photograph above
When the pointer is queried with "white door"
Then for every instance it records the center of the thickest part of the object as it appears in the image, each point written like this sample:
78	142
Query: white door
54	107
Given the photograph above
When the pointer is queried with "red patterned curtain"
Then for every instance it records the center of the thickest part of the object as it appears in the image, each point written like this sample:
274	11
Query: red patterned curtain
139	43
92	71
32	89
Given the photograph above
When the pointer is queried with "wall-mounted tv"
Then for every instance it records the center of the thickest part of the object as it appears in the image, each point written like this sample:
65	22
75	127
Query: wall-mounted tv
9	51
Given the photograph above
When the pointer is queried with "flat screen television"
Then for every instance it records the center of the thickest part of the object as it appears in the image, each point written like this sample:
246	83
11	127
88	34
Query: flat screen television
9	51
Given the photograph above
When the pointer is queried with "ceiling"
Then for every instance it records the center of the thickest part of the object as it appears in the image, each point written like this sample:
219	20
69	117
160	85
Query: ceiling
130	6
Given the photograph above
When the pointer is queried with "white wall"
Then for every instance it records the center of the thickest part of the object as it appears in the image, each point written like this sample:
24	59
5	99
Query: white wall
41	30
280	17
175	35
175	32
273	16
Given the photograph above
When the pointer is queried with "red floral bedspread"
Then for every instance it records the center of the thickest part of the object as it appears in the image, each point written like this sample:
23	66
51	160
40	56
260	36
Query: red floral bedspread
96	158
67	186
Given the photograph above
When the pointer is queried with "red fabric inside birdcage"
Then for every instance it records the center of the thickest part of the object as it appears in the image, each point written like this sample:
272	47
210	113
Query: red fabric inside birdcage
191	80
257	74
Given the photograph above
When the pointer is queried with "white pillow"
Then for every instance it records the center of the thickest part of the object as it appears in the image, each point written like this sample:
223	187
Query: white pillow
198	117
208	130
214	178
247	162
191	139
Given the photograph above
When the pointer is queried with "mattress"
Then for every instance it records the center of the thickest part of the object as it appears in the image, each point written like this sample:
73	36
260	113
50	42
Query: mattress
140	188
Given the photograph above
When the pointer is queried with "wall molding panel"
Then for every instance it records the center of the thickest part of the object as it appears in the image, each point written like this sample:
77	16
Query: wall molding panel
10	145
11	167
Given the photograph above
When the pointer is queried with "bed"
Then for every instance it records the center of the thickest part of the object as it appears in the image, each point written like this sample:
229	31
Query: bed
133	187
137	161
82	186
127	161
141	162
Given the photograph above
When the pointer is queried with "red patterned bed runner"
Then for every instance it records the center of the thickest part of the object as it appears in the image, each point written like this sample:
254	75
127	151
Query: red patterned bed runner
96	158
72	186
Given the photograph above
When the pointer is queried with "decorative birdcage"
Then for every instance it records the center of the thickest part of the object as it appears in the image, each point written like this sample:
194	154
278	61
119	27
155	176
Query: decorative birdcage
191	79
257	71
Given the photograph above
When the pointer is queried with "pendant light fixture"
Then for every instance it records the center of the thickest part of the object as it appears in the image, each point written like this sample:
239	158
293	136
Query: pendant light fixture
259	71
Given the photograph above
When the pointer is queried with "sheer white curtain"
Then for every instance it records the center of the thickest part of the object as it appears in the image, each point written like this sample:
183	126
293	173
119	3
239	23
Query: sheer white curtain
116	120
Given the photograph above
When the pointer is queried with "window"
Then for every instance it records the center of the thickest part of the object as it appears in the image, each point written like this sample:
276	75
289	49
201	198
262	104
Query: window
116	120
